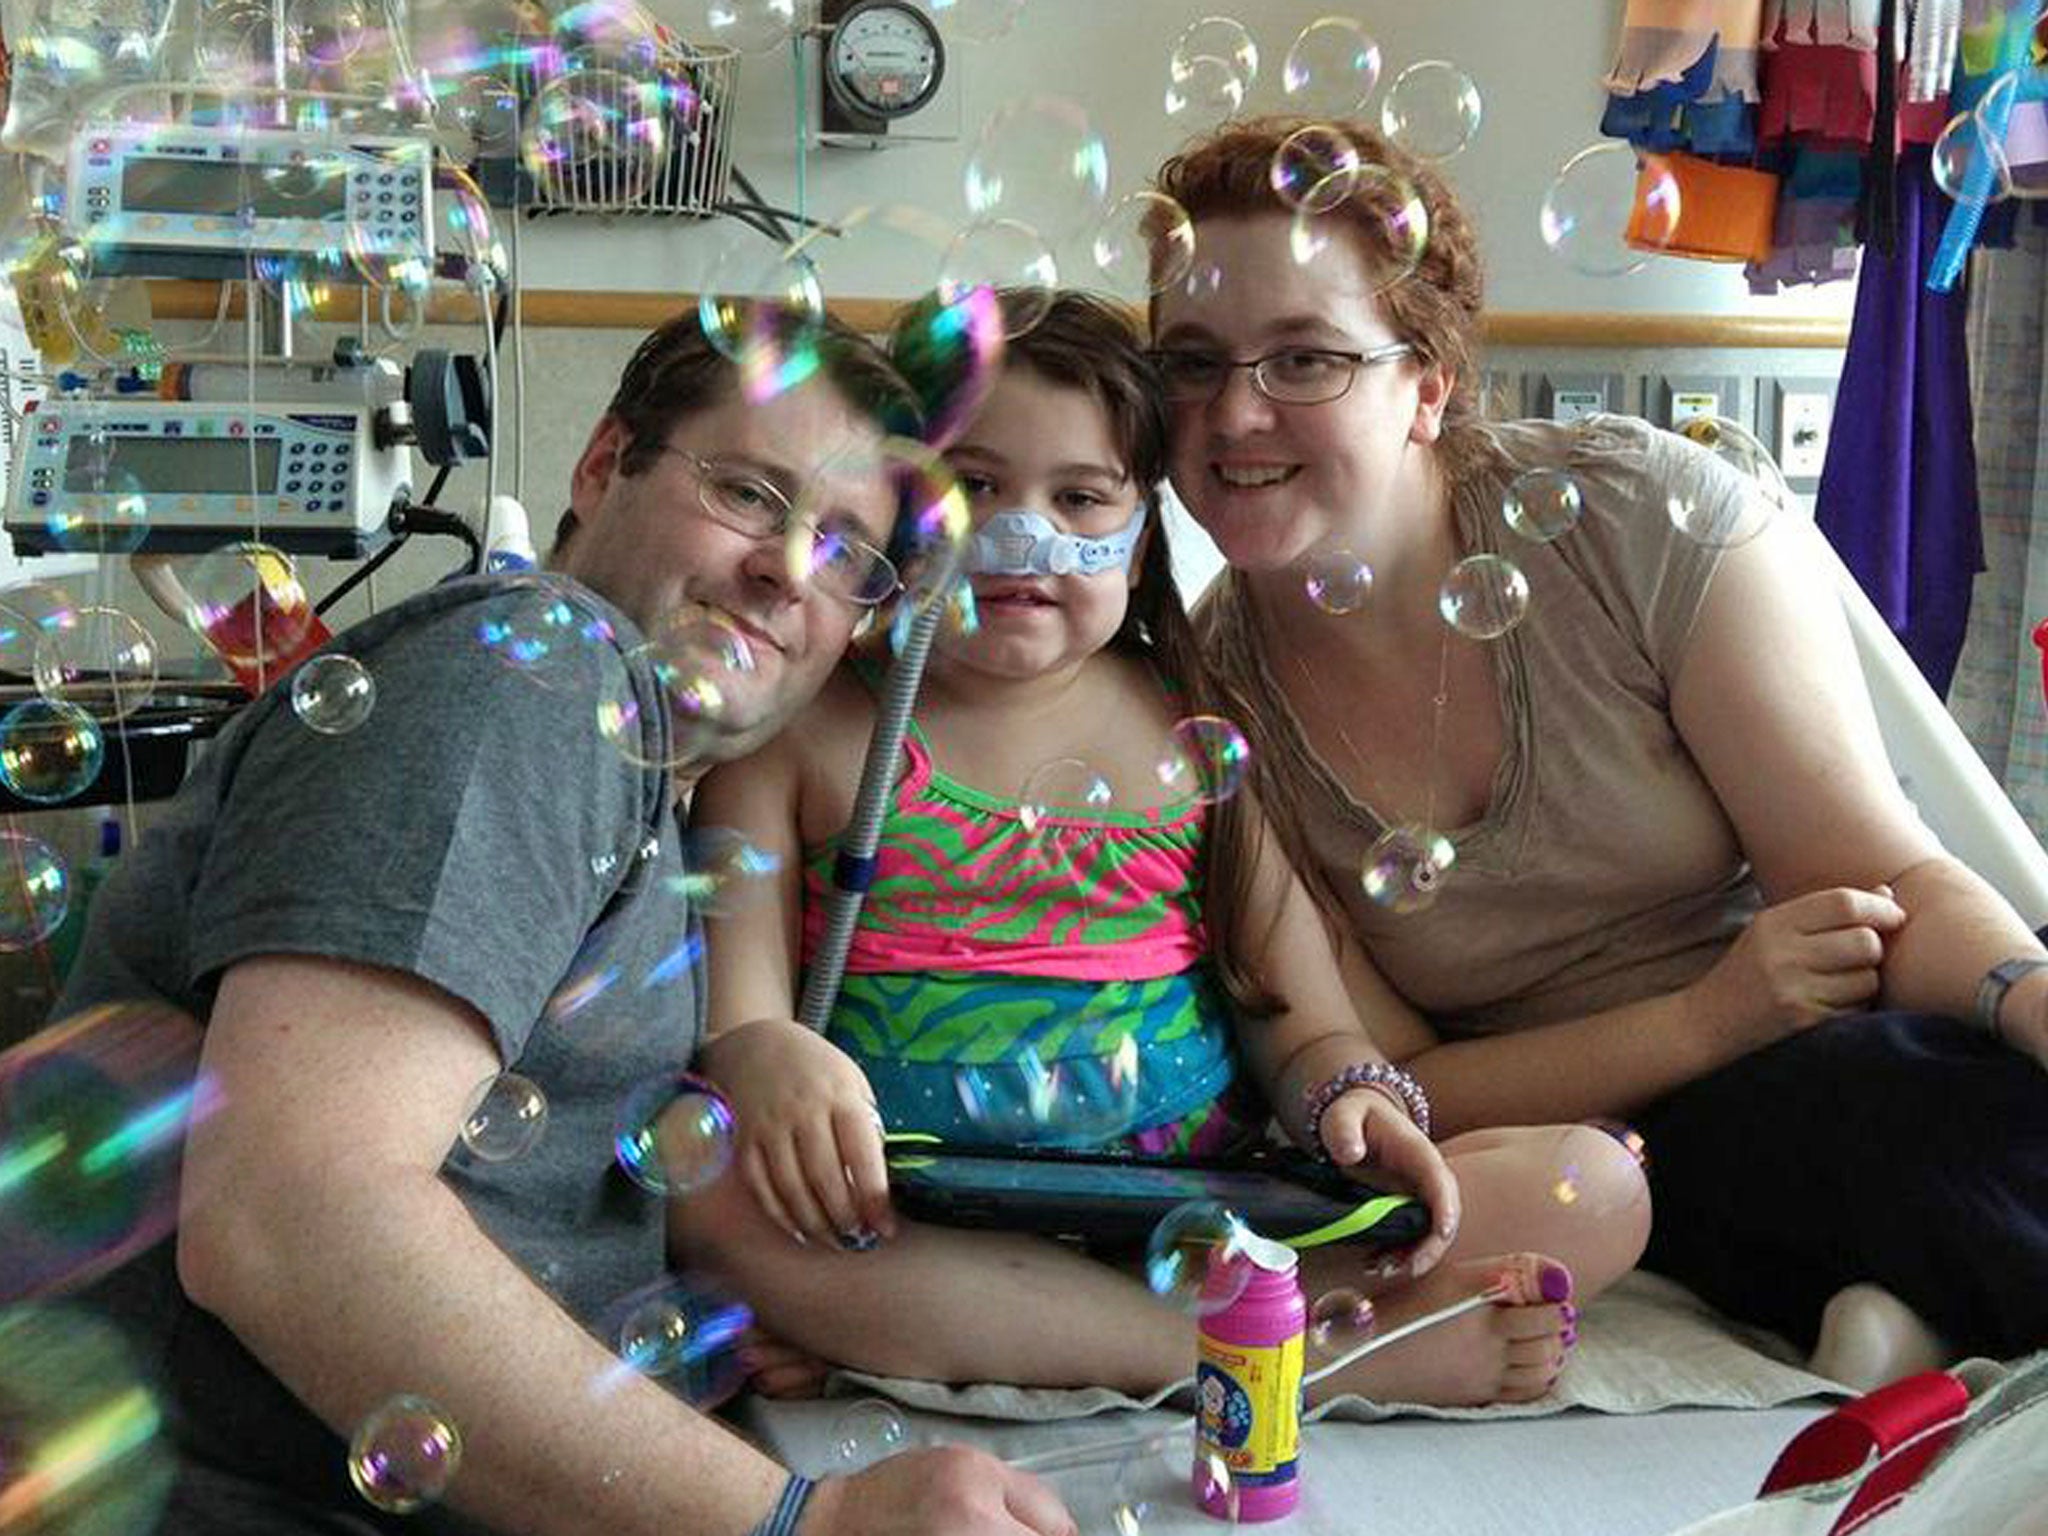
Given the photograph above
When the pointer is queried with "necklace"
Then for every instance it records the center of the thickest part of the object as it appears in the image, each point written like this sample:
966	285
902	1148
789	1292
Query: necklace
1405	867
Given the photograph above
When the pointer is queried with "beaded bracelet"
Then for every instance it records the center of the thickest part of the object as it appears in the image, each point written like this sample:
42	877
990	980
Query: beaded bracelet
789	1509
1376	1074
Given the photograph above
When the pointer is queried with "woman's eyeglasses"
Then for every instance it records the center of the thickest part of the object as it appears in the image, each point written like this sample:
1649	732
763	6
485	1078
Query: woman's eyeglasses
747	502
1291	376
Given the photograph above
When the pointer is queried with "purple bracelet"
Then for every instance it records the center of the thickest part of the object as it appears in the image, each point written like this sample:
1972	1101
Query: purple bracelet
1377	1074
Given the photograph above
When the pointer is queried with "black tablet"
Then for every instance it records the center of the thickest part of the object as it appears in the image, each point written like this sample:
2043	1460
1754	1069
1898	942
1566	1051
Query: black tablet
1111	1197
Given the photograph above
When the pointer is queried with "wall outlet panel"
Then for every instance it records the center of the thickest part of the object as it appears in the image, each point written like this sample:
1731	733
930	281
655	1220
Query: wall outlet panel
1675	398
1796	424
1570	396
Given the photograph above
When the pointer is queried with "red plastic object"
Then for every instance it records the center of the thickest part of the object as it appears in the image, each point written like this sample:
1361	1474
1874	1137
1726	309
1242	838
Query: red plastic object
2041	644
1895	1431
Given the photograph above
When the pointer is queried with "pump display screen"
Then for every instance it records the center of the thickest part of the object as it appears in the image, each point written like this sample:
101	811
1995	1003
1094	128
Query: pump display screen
203	187
173	466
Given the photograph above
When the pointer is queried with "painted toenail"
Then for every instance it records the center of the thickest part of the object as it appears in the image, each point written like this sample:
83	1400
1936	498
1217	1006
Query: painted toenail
1554	1281
1569	1336
1569	1313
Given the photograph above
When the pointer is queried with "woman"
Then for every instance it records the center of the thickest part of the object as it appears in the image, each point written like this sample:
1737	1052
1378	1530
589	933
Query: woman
1639	855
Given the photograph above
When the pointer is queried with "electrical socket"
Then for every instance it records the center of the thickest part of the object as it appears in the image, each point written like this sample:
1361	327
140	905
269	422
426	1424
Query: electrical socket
1802	419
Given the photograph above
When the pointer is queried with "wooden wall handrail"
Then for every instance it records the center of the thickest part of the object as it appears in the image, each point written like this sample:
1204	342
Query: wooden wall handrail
617	309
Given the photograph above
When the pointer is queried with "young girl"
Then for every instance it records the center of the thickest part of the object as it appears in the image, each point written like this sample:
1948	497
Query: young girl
1149	973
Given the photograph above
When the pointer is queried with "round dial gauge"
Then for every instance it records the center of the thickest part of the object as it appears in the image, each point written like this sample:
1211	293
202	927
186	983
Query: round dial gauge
884	59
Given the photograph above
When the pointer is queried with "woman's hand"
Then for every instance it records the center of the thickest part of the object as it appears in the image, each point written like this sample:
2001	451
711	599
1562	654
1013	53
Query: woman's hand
1797	963
808	1138
1366	1132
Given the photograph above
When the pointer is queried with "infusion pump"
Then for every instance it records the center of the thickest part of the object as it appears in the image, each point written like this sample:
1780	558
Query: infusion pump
118	475
199	200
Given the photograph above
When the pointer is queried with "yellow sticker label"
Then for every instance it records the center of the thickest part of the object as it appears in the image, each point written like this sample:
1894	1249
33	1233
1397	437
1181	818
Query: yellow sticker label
1248	1408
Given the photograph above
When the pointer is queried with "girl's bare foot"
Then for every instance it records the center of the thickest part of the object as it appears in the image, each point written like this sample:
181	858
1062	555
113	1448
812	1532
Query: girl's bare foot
1510	1352
780	1370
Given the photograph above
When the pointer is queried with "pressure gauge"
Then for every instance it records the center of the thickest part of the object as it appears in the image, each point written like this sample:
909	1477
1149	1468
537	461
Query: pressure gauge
884	60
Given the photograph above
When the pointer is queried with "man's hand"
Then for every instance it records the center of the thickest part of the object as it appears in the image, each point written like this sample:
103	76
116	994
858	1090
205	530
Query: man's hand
808	1136
948	1491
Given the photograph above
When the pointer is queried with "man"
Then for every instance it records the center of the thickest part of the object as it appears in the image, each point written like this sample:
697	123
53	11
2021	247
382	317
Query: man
483	878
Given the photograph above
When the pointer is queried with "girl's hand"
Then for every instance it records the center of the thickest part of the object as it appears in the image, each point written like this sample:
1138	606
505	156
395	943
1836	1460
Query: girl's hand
1367	1132
808	1138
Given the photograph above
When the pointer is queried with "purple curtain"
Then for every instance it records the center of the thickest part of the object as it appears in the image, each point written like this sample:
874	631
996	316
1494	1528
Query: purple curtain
1898	494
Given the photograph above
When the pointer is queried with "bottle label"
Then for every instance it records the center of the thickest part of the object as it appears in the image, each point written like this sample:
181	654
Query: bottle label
1248	1409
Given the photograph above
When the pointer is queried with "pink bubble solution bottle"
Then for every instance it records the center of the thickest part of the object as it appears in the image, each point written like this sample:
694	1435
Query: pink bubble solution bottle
1248	1383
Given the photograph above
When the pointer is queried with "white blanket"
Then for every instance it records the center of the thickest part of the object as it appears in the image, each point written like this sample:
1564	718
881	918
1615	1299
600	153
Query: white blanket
1646	1344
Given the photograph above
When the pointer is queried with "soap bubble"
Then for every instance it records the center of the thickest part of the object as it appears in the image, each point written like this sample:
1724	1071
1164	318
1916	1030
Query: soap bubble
1339	1321
1610	209
1001	254
93	1116
1396	247
1206	758
1144	244
1405	868
1543	504
980	21
1041	162
1969	162
725	871
31	615
506	1117
1331	68
87	1450
1083	1095
1064	792
1315	168
105	663
673	1134
751	26
685	1329
333	693
1704	509
1221	39
1484	597
1338	581
1216	1490
50	751
404	1454
703	665
1193	1257
247	602
1432	109
547	631
1207	91
1628	1136
35	891
871	1430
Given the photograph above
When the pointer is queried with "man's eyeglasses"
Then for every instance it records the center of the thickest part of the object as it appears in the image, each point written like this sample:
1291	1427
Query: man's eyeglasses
748	502
1291	376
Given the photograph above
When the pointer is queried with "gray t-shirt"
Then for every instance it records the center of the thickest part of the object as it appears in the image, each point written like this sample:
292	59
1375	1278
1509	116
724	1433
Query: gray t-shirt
479	831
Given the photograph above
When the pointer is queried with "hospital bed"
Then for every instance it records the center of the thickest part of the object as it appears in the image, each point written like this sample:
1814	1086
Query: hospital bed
1578	1471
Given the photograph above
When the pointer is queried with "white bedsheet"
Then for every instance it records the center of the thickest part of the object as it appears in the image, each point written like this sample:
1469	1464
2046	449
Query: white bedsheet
1665	1416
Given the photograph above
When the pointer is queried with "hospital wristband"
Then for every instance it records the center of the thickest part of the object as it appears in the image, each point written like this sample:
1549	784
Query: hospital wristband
1383	1075
789	1509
